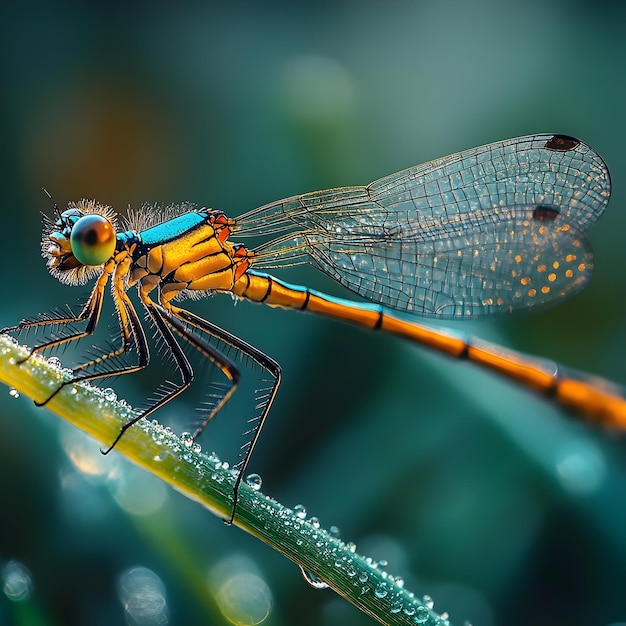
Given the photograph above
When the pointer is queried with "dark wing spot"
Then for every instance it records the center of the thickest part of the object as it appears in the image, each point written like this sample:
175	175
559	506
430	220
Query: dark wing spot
544	213
562	143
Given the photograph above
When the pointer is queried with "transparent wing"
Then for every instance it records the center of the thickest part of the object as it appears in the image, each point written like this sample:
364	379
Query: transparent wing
494	228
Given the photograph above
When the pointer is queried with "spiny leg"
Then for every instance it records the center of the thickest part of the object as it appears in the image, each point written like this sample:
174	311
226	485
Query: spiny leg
227	367
133	337
164	325
90	312
131	332
265	403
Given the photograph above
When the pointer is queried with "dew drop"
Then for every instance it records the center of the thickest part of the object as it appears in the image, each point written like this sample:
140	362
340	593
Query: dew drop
54	362
363	577
14	393
334	531
312	579
396	607
300	511
314	522
254	481
187	440
421	615
351	546
380	591
429	603
109	394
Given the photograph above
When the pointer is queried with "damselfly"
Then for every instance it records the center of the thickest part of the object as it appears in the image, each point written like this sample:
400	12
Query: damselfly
493	229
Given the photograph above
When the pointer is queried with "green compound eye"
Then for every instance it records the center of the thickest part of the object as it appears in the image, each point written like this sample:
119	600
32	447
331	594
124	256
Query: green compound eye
92	240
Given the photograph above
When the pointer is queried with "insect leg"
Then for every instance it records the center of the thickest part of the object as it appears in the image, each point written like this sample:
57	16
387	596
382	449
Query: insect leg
268	364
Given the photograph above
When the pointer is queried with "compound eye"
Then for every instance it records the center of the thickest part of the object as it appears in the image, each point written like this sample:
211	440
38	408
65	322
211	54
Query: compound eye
92	240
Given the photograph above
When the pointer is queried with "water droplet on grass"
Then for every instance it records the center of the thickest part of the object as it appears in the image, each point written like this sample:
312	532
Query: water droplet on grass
55	362
254	481
312	579
187	440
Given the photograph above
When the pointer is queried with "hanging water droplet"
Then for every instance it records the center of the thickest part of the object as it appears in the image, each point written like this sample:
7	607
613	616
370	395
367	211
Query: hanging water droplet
315	522
312	579
351	546
429	603
334	531
14	393
300	511
109	394
254	481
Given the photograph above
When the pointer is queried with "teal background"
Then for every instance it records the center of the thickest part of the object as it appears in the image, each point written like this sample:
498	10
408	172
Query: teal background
479	494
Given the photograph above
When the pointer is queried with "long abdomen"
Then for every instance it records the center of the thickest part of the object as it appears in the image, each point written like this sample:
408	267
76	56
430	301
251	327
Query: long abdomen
596	400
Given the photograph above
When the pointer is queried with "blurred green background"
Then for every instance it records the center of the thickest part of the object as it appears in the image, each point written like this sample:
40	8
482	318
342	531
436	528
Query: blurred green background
484	497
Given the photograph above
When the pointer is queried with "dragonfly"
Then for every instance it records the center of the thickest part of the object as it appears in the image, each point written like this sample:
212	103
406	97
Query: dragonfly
498	228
